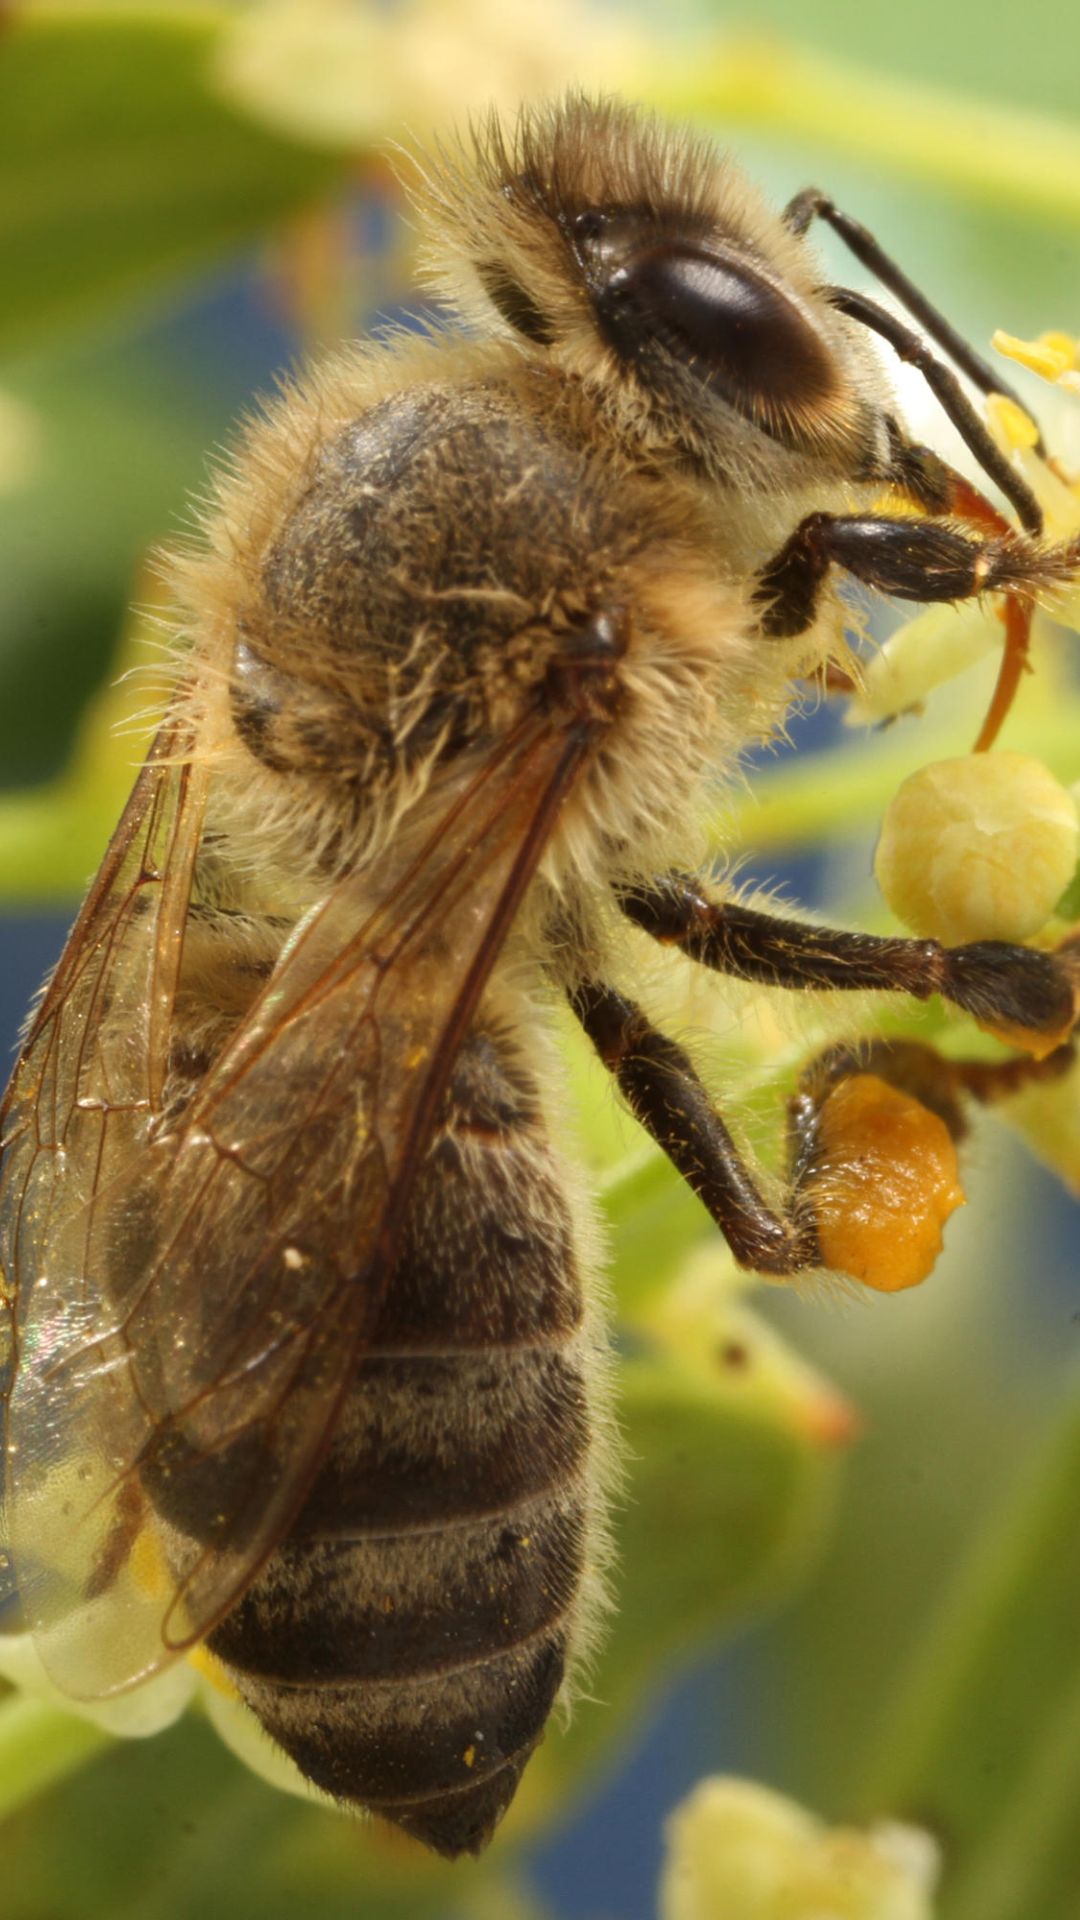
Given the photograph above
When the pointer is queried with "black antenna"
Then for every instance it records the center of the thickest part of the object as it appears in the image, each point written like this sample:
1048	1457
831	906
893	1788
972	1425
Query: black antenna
811	203
944	384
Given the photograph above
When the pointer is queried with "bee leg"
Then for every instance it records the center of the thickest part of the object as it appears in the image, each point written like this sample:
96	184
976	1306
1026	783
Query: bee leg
811	204
1019	992
792	580
938	488
928	480
920	1071
872	1133
871	1155
661	1087
920	561
910	559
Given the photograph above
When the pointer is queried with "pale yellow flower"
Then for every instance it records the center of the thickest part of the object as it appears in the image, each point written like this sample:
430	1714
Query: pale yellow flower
145	1710
1054	356
342	74
738	1851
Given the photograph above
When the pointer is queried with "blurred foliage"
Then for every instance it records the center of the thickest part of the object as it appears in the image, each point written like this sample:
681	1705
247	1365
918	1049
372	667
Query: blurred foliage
149	152
121	168
983	1744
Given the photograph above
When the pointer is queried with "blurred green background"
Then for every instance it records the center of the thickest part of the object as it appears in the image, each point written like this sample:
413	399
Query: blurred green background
192	196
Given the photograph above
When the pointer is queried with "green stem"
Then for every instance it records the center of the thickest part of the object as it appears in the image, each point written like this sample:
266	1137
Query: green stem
807	799
1001	155
1027	1860
983	1744
502	1899
39	1745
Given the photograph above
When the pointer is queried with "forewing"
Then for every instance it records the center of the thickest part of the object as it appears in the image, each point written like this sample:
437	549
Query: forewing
88	1082
248	1257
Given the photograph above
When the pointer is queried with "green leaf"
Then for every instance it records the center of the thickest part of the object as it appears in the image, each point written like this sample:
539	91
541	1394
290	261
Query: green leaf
1001	155
983	1745
40	1744
173	1829
807	798
654	1221
119	168
52	838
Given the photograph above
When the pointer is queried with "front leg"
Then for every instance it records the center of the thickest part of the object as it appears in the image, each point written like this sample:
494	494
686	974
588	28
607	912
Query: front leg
1019	992
911	559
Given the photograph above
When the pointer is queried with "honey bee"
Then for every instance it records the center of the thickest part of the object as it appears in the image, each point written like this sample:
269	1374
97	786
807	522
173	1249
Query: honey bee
305	1356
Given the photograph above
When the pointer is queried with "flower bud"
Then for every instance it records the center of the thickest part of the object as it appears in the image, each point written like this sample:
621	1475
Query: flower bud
979	848
742	1852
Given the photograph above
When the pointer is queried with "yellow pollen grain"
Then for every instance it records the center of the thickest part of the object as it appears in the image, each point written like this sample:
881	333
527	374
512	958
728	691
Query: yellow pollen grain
148	1570
469	1756
212	1670
1050	356
1059	342
1012	428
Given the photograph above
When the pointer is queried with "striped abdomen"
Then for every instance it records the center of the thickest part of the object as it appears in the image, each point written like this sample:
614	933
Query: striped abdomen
406	1643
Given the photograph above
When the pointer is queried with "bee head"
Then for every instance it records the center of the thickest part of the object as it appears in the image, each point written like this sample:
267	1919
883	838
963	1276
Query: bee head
641	260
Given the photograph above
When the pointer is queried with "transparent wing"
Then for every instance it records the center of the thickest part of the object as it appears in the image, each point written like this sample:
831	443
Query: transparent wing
87	1084
171	1408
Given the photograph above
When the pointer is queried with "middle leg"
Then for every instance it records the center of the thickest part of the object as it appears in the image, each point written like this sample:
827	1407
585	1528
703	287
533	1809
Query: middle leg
1020	993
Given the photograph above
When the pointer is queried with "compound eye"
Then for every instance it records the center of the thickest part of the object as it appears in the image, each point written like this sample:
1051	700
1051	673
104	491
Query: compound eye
731	327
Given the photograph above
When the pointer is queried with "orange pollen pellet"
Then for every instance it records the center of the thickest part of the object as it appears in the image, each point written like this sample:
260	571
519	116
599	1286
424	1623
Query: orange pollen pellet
887	1181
